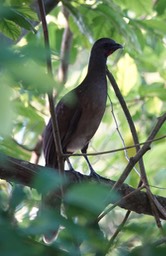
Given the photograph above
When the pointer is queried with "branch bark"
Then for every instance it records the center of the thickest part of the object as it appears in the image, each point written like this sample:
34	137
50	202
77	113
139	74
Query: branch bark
23	172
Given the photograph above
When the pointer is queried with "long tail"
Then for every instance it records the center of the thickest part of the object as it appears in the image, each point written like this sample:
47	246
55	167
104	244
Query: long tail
53	200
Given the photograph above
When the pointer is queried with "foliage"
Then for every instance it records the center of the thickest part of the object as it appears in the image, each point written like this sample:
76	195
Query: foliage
140	72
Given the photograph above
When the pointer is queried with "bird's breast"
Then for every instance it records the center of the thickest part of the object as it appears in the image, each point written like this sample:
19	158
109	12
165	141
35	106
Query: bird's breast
93	104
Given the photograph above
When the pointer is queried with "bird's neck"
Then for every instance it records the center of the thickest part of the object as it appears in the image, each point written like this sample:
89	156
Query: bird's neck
97	65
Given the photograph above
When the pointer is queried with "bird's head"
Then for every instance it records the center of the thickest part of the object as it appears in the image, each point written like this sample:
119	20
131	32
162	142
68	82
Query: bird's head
105	46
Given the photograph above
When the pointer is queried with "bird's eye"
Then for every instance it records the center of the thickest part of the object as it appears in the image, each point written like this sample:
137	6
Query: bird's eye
107	46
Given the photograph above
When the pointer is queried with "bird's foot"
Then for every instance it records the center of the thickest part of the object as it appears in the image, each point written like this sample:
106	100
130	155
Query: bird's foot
76	174
93	174
71	169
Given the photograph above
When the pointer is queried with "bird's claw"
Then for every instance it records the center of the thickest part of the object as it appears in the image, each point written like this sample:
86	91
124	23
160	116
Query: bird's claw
93	174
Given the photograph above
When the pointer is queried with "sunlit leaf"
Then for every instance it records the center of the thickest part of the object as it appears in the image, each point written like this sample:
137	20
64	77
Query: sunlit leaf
10	29
157	25
154	90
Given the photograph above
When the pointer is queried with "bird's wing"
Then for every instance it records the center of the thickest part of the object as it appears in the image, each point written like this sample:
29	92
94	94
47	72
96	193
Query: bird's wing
68	113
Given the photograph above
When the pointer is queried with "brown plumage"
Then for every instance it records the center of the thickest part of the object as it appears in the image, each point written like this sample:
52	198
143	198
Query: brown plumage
80	111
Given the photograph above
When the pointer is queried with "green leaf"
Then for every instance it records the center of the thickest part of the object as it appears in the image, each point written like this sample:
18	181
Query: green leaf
32	77
160	7
10	29
27	12
89	196
153	90
9	147
119	24
21	20
139	7
19	16
149	249
18	195
154	25
79	20
46	181
6	112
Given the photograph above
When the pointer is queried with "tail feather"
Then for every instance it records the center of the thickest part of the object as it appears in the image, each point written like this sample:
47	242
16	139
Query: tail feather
49	147
49	238
52	200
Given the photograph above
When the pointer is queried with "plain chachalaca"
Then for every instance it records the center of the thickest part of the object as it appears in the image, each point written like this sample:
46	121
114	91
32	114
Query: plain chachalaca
80	111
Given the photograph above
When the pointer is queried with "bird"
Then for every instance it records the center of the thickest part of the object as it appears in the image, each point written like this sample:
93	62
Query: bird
80	111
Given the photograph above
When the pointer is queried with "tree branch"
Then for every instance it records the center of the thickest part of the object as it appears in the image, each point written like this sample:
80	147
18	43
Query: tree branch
155	207
23	172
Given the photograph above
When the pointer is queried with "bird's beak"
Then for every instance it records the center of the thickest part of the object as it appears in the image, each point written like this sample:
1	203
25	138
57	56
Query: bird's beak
115	47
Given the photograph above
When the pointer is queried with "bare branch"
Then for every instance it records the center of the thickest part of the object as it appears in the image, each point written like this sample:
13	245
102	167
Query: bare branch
115	150
23	172
144	179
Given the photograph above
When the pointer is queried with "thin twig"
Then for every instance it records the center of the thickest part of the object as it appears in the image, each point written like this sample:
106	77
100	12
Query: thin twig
130	122
120	227
65	48
136	141
141	152
121	137
114	150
